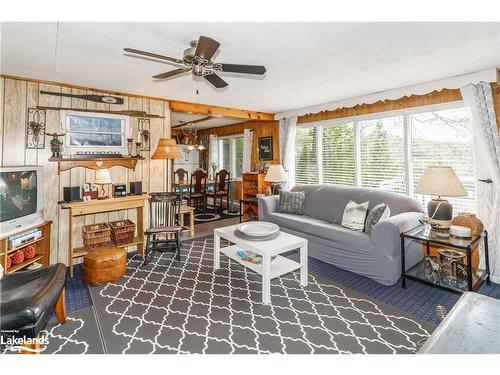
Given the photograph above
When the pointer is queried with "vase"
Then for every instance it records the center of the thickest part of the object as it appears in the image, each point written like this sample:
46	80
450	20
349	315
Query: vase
469	220
266	190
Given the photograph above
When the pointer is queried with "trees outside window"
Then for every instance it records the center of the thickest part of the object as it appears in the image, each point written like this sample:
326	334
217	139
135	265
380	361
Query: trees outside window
231	154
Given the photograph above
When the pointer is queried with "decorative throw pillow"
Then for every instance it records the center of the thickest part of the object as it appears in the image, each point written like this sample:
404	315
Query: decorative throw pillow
355	215
292	202
376	214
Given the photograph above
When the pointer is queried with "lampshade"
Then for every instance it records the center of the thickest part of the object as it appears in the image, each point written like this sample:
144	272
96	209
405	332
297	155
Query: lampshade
167	149
276	173
102	177
440	180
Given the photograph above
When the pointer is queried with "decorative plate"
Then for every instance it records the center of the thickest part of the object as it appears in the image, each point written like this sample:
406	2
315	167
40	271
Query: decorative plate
258	228
241	235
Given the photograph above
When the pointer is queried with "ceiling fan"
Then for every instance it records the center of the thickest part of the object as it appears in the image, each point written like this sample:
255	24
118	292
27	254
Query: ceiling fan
198	60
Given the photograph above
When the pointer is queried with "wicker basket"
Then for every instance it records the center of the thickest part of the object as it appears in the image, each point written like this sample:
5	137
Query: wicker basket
96	235
122	232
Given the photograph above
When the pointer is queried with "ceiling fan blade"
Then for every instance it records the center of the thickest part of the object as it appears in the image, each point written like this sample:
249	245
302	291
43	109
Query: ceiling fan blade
206	48
247	69
153	55
171	73
215	80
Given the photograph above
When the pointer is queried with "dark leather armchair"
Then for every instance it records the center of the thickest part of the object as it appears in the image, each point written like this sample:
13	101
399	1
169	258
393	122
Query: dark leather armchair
28	299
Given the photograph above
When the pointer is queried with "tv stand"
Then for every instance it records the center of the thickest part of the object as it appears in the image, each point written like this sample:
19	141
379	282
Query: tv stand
42	246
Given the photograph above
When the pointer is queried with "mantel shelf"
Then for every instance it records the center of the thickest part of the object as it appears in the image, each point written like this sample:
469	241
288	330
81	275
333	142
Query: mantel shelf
65	164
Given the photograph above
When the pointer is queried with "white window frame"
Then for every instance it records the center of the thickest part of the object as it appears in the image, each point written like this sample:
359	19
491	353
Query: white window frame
70	149
232	157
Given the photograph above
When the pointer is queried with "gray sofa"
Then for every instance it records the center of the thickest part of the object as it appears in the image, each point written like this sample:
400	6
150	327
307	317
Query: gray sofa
376	256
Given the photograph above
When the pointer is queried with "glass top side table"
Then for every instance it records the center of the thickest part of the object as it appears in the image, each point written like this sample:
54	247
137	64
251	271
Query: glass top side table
452	268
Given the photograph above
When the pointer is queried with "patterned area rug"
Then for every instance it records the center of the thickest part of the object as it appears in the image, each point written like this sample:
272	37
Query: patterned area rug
186	307
79	335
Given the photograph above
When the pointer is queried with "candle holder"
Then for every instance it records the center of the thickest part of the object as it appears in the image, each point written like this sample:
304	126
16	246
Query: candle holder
138	148
129	146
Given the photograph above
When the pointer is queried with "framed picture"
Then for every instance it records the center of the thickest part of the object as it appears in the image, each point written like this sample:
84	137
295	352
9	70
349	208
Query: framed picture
265	148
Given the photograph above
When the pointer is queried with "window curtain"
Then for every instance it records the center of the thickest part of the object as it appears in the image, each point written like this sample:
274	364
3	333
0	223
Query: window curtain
247	150
287	130
213	156
479	99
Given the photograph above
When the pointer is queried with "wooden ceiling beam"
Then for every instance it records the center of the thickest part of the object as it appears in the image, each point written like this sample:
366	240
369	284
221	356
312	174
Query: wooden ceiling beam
175	105
192	122
216	111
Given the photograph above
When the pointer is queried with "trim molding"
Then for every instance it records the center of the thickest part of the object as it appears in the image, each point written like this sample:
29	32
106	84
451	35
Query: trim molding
175	105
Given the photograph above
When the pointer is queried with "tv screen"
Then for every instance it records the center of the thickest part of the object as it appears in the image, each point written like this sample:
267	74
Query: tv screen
18	194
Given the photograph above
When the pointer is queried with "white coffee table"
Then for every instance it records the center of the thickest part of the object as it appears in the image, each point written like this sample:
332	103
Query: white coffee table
267	269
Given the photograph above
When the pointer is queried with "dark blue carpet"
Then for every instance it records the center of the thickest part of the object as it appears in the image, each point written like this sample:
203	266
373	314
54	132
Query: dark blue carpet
77	292
417	299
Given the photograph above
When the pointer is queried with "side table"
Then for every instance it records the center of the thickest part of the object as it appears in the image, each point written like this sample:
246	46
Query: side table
454	276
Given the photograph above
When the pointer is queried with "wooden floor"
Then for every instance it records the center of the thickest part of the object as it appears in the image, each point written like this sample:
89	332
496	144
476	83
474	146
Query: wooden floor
207	229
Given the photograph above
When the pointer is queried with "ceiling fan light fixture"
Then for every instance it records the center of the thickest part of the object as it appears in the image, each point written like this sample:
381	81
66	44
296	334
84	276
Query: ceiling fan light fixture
198	59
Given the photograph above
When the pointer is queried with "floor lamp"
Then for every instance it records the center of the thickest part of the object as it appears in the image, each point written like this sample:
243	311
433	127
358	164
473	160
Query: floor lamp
167	150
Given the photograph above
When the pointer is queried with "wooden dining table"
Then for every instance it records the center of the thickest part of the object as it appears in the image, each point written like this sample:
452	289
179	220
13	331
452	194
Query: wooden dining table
187	183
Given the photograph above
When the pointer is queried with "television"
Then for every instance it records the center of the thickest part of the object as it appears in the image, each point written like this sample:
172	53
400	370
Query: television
21	198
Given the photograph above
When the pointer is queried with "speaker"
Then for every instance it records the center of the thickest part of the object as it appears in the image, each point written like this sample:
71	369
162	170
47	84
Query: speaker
136	188
71	194
119	190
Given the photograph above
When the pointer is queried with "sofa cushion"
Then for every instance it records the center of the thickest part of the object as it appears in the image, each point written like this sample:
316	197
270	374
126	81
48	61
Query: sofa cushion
327	202
376	214
321	228
292	202
355	215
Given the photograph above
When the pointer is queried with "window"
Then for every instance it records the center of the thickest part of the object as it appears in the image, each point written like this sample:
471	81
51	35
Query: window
95	132
338	154
231	154
389	152
306	159
382	154
444	137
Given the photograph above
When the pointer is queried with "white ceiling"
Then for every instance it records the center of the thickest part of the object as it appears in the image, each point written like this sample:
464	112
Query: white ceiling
307	63
178	117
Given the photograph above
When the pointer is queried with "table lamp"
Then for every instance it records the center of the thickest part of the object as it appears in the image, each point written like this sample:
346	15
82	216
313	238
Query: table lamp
167	150
276	175
102	177
440	180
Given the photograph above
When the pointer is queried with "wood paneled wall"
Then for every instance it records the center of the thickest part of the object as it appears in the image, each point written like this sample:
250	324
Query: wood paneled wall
496	100
260	129
17	95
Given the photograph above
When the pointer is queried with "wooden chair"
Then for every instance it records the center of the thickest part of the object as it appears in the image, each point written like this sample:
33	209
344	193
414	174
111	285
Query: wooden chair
222	179
164	211
179	176
197	195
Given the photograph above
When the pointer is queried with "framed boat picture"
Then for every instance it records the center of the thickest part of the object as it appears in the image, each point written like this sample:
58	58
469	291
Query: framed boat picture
265	148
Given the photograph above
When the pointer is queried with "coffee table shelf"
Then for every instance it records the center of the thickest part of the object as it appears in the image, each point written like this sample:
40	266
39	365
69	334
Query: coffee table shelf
279	266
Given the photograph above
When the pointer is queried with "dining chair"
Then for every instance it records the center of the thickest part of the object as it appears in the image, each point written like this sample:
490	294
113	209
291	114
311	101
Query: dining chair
180	175
197	194
221	189
164	211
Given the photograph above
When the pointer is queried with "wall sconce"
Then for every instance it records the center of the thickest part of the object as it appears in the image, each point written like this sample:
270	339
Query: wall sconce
35	129
144	127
